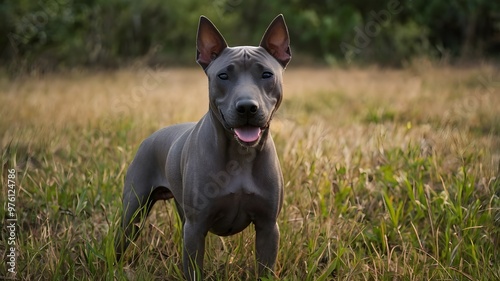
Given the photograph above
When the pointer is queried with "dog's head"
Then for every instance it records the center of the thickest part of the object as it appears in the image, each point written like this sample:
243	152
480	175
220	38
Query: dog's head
245	83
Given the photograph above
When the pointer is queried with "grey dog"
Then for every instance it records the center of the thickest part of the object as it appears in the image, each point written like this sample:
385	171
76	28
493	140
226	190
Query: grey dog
223	171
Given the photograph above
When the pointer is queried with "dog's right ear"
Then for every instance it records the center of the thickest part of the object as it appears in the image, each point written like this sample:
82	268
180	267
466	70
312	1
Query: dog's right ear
209	42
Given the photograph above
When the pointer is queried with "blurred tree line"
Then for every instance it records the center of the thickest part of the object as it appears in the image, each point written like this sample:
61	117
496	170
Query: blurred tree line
58	34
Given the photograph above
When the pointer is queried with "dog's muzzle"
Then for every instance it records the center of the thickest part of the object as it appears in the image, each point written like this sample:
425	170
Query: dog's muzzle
247	134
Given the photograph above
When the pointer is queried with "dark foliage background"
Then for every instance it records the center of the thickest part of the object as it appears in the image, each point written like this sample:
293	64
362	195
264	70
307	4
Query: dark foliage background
59	34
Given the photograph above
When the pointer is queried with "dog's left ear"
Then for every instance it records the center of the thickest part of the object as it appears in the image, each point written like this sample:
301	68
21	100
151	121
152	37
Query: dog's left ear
209	42
277	42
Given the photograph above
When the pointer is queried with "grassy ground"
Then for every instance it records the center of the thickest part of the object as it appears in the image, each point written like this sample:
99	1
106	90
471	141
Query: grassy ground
390	174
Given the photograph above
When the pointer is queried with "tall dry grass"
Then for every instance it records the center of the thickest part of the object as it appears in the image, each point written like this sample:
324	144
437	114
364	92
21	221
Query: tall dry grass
390	174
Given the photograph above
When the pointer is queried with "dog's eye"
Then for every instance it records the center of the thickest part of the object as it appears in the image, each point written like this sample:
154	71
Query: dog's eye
267	75
223	76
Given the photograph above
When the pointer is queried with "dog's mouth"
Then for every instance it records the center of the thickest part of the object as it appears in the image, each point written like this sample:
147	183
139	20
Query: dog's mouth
248	135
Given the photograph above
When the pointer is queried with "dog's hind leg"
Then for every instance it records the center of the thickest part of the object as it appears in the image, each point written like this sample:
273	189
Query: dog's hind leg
143	187
136	211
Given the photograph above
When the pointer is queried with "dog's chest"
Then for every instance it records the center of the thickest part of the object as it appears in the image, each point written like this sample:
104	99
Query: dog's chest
236	207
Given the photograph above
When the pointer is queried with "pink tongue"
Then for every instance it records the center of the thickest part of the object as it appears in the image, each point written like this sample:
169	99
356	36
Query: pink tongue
248	133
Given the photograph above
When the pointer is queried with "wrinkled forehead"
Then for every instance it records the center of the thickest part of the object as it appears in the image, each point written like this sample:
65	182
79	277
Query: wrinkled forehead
244	57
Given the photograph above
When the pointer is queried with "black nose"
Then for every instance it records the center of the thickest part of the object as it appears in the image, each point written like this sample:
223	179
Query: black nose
247	107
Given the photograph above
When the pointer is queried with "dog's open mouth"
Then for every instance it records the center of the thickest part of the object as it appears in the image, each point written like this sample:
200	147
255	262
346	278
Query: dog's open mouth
248	134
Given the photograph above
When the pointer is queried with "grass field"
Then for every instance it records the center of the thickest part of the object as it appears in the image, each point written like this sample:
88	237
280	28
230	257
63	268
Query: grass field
390	174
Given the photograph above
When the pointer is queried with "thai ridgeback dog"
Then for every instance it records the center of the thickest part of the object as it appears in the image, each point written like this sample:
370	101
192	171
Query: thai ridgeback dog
223	171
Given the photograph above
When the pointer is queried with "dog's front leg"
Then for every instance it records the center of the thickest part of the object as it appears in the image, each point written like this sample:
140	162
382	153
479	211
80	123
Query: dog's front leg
194	250
266	246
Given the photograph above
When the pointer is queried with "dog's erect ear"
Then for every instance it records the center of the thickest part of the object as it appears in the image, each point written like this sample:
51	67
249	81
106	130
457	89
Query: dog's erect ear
277	42
209	42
